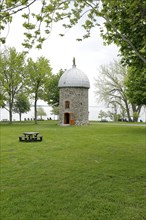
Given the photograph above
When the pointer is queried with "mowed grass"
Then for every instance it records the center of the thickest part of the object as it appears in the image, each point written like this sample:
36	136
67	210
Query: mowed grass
75	173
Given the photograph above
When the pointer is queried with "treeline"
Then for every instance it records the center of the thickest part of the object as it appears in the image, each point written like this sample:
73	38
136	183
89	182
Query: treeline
23	80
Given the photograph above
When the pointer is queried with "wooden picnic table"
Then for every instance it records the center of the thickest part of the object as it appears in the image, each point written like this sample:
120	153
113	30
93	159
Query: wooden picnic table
31	136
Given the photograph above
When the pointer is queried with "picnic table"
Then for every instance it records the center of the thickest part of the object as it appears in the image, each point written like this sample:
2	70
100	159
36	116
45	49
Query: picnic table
30	136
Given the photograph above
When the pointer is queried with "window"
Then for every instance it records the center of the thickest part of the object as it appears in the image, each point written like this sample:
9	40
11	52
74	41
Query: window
67	104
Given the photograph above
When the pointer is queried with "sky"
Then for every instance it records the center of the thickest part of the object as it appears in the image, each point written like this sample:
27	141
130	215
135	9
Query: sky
90	53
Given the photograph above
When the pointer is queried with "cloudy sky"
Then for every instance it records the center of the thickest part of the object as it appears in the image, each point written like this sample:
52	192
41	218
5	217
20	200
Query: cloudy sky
89	54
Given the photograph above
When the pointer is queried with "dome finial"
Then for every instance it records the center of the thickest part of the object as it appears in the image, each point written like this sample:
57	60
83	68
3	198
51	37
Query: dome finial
74	62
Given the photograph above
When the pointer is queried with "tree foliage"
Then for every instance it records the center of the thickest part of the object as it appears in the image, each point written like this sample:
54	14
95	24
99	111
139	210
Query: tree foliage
136	86
41	112
12	76
125	26
39	73
2	99
55	110
124	21
111	89
51	89
102	115
21	105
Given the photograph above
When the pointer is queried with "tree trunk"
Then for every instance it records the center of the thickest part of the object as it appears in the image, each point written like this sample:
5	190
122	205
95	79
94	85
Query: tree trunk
35	111
10	112
128	111
136	110
115	112
20	116
135	117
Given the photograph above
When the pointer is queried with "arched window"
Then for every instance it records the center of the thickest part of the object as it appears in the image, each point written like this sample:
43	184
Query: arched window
67	104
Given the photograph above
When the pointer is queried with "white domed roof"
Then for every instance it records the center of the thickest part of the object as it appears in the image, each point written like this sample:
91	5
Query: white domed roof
74	78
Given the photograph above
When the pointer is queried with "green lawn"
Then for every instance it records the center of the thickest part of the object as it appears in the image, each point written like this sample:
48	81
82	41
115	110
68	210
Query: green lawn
94	172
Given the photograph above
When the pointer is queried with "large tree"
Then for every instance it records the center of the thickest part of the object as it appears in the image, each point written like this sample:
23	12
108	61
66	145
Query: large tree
111	88
125	26
39	72
12	77
124	21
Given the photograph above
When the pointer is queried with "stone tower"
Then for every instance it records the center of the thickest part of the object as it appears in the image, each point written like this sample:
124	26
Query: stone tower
73	101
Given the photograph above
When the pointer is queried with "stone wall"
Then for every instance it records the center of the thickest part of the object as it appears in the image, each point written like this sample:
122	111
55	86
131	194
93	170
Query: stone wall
78	108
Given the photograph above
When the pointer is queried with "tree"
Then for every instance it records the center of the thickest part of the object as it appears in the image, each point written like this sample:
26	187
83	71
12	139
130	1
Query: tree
41	112
21	105
12	77
114	116
102	115
52	90
39	72
37	25
136	86
55	110
111	89
124	21
125	26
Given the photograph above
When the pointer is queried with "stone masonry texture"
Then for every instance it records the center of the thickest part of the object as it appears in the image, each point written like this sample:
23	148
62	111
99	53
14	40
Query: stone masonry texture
78	99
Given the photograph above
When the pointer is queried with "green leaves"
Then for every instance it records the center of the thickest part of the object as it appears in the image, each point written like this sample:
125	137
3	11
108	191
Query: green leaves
22	104
52	90
125	27
124	23
12	75
28	26
26	16
3	40
136	86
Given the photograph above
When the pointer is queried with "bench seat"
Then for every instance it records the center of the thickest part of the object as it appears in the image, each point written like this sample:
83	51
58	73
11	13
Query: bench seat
37	138
22	138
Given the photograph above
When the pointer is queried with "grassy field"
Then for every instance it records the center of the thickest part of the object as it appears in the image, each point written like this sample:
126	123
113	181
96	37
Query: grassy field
94	172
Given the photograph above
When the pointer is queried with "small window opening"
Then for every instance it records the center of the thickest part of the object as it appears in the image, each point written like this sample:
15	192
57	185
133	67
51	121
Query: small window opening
67	104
